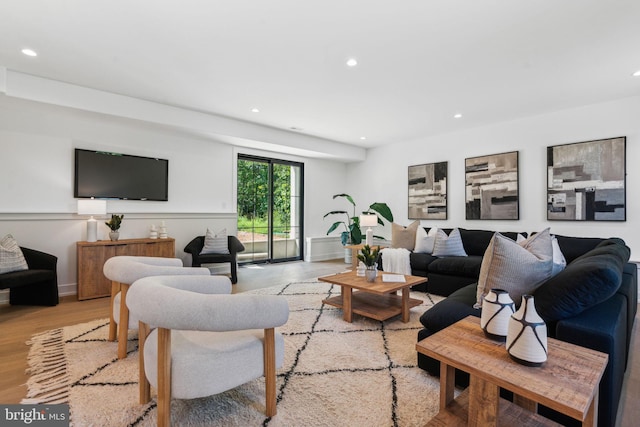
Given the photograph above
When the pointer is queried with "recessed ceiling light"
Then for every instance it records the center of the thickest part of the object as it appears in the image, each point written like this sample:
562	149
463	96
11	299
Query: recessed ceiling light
363	138
29	52
255	110
636	74
352	62
457	116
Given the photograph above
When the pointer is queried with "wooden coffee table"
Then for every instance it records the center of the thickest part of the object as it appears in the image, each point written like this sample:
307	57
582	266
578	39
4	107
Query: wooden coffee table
568	382
376	300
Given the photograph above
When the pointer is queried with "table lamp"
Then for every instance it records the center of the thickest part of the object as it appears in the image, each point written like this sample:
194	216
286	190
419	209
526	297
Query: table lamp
369	220
92	207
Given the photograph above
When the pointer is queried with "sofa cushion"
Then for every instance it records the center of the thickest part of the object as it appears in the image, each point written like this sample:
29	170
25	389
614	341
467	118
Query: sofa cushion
468	266
573	247
518	268
404	237
25	277
450	245
476	241
587	281
455	307
11	256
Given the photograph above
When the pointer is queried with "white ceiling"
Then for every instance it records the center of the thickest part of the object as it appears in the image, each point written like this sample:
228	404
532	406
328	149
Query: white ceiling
420	61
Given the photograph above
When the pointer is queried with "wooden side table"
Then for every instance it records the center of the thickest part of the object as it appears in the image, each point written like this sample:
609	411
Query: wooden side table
568	382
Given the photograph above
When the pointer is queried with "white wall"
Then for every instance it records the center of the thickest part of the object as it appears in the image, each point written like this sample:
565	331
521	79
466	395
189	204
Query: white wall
383	176
36	180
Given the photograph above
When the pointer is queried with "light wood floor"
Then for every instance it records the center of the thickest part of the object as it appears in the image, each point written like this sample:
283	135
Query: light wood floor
19	323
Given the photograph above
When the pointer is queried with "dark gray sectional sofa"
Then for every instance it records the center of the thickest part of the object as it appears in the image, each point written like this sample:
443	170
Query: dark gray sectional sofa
591	303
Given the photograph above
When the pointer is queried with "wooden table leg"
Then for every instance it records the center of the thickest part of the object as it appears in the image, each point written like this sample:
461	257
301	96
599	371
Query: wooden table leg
523	402
347	292
483	403
405	305
447	384
113	326
592	413
123	326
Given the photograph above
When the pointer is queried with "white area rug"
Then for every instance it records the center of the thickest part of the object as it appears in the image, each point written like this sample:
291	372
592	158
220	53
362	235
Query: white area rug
335	373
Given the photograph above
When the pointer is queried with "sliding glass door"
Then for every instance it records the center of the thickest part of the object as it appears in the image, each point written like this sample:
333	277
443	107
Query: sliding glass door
270	201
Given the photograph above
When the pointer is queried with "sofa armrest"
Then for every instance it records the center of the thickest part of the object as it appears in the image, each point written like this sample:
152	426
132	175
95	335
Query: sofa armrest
37	260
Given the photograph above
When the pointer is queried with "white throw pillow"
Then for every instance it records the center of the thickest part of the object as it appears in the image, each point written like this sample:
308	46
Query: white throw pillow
518	268
450	245
11	256
559	261
425	241
215	243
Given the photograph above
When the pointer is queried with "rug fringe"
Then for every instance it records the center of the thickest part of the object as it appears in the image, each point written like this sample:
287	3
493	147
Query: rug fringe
49	381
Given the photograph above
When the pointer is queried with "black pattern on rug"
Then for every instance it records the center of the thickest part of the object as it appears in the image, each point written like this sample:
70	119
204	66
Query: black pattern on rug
335	373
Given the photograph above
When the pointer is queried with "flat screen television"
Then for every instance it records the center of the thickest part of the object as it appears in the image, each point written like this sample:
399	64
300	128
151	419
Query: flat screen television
106	175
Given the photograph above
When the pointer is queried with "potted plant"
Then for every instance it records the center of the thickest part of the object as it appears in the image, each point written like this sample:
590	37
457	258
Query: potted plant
370	259
352	234
114	224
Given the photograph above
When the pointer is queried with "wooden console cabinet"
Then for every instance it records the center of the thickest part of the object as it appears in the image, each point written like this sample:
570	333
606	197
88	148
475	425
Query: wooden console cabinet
93	255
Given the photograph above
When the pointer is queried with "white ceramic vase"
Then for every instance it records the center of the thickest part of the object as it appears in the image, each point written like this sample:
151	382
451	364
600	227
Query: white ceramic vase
371	273
497	309
114	235
527	335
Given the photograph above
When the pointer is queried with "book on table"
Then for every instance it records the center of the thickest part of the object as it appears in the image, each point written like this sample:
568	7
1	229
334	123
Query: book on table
399	278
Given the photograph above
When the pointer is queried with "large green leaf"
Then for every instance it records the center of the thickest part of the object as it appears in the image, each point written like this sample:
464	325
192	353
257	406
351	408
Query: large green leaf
383	210
335	212
335	225
346	196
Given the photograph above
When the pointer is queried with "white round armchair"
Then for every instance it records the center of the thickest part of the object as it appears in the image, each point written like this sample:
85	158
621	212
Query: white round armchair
123	271
205	342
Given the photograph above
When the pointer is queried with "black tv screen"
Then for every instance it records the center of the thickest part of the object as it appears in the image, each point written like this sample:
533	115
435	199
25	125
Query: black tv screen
120	176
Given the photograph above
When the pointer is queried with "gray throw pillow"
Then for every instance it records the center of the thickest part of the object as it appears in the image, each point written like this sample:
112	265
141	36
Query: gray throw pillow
518	268
11	257
450	245
215	243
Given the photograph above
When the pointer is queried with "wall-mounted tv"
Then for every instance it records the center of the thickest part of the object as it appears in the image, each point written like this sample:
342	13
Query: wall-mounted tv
106	175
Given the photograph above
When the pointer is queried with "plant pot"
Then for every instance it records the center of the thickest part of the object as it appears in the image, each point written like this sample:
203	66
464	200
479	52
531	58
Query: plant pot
348	256
114	235
370	274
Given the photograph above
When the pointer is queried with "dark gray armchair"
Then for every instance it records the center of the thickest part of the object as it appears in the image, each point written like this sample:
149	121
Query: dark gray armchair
36	286
195	246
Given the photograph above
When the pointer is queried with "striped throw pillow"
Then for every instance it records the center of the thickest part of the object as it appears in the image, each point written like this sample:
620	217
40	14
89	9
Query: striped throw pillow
450	245
215	243
11	257
518	268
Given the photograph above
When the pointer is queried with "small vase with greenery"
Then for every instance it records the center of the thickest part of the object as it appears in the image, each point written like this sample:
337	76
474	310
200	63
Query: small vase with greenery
114	224
353	234
370	259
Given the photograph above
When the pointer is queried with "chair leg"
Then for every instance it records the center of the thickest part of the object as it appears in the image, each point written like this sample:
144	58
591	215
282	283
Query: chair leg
113	326
145	387
270	371
123	327
234	272
164	377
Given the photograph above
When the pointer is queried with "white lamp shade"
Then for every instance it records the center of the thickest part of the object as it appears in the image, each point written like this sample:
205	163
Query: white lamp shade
92	207
368	220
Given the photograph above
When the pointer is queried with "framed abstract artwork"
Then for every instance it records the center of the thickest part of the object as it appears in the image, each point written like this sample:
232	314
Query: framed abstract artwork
586	181
491	186
428	191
